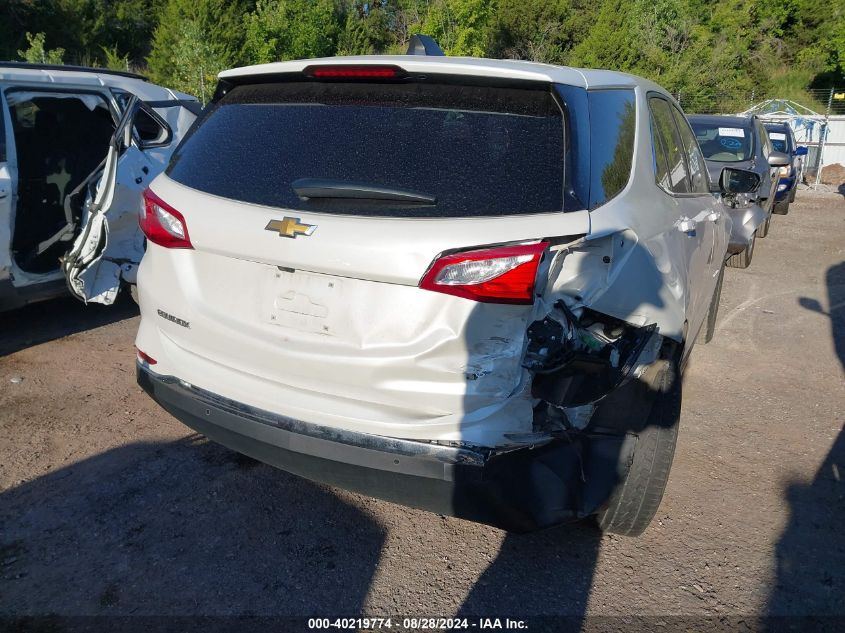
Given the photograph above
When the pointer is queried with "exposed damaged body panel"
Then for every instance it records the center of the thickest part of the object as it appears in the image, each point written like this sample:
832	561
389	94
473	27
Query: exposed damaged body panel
72	177
108	249
746	219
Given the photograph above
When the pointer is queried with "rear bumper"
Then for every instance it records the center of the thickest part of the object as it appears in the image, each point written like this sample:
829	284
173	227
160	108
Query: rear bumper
521	490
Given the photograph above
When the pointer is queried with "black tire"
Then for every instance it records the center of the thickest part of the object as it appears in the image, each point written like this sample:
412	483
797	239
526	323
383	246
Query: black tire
637	497
781	208
743	258
763	229
792	193
713	310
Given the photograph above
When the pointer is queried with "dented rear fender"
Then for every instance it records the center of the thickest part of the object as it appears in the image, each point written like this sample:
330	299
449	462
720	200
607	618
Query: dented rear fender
621	277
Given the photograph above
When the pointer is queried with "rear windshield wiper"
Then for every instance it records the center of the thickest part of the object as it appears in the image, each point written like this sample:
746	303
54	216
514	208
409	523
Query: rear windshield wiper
344	189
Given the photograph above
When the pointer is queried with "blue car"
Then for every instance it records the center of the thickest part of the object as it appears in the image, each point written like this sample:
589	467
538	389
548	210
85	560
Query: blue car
783	140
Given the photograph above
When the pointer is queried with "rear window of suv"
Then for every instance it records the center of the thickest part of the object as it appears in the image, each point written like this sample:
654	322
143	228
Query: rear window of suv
780	139
477	150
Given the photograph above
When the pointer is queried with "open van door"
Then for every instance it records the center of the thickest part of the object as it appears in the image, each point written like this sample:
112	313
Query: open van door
110	245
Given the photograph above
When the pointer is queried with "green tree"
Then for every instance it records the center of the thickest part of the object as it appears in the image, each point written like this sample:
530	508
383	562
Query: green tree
290	29
38	54
81	27
818	41
16	19
115	60
86	27
536	30
611	41
406	20
697	47
206	34
196	62
367	29
665	31
462	27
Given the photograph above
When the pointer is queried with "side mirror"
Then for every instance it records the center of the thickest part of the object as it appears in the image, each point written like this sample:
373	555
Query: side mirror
800	151
778	159
738	181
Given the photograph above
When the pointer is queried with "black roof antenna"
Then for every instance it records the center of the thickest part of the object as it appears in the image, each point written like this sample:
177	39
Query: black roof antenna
424	45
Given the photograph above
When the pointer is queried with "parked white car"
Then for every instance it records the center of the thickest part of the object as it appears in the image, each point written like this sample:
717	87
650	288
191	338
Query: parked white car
462	284
77	148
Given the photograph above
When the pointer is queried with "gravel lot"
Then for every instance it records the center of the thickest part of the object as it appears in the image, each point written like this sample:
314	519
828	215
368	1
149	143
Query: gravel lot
110	506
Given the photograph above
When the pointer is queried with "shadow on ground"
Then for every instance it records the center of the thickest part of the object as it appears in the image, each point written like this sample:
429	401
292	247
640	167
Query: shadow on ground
49	320
190	528
547	573
810	555
182	528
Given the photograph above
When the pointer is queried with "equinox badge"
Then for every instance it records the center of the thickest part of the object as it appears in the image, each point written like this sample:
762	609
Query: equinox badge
290	227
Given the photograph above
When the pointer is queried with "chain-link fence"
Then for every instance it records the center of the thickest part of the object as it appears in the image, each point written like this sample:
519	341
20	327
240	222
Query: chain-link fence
820	100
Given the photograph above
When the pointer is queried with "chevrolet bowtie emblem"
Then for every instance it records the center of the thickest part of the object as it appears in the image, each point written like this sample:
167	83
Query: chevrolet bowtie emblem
290	227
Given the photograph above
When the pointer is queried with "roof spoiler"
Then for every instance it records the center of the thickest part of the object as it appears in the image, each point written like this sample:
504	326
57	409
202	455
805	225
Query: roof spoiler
424	45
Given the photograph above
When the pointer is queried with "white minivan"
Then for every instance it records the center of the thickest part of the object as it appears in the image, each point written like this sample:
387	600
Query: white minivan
460	284
77	148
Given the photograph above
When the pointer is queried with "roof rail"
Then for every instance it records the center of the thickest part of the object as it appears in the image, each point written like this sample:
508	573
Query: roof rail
87	69
424	45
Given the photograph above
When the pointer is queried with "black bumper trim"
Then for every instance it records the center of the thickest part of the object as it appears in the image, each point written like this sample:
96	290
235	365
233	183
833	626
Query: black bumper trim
521	490
411	473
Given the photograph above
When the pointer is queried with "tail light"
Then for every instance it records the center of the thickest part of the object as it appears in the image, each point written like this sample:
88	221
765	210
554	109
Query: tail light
162	224
493	275
146	358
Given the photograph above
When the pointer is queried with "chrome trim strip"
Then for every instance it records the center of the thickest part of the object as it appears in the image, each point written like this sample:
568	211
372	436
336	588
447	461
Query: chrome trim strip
400	447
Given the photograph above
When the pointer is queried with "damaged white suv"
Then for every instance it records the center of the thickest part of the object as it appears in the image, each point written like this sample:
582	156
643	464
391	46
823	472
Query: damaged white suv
77	148
464	285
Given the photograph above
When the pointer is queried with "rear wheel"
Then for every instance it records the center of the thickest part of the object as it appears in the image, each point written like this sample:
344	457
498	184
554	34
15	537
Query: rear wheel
743	258
636	499
782	207
763	229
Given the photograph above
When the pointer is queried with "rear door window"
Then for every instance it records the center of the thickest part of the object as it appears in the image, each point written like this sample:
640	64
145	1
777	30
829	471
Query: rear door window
672	175
661	161
699	181
477	150
150	129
